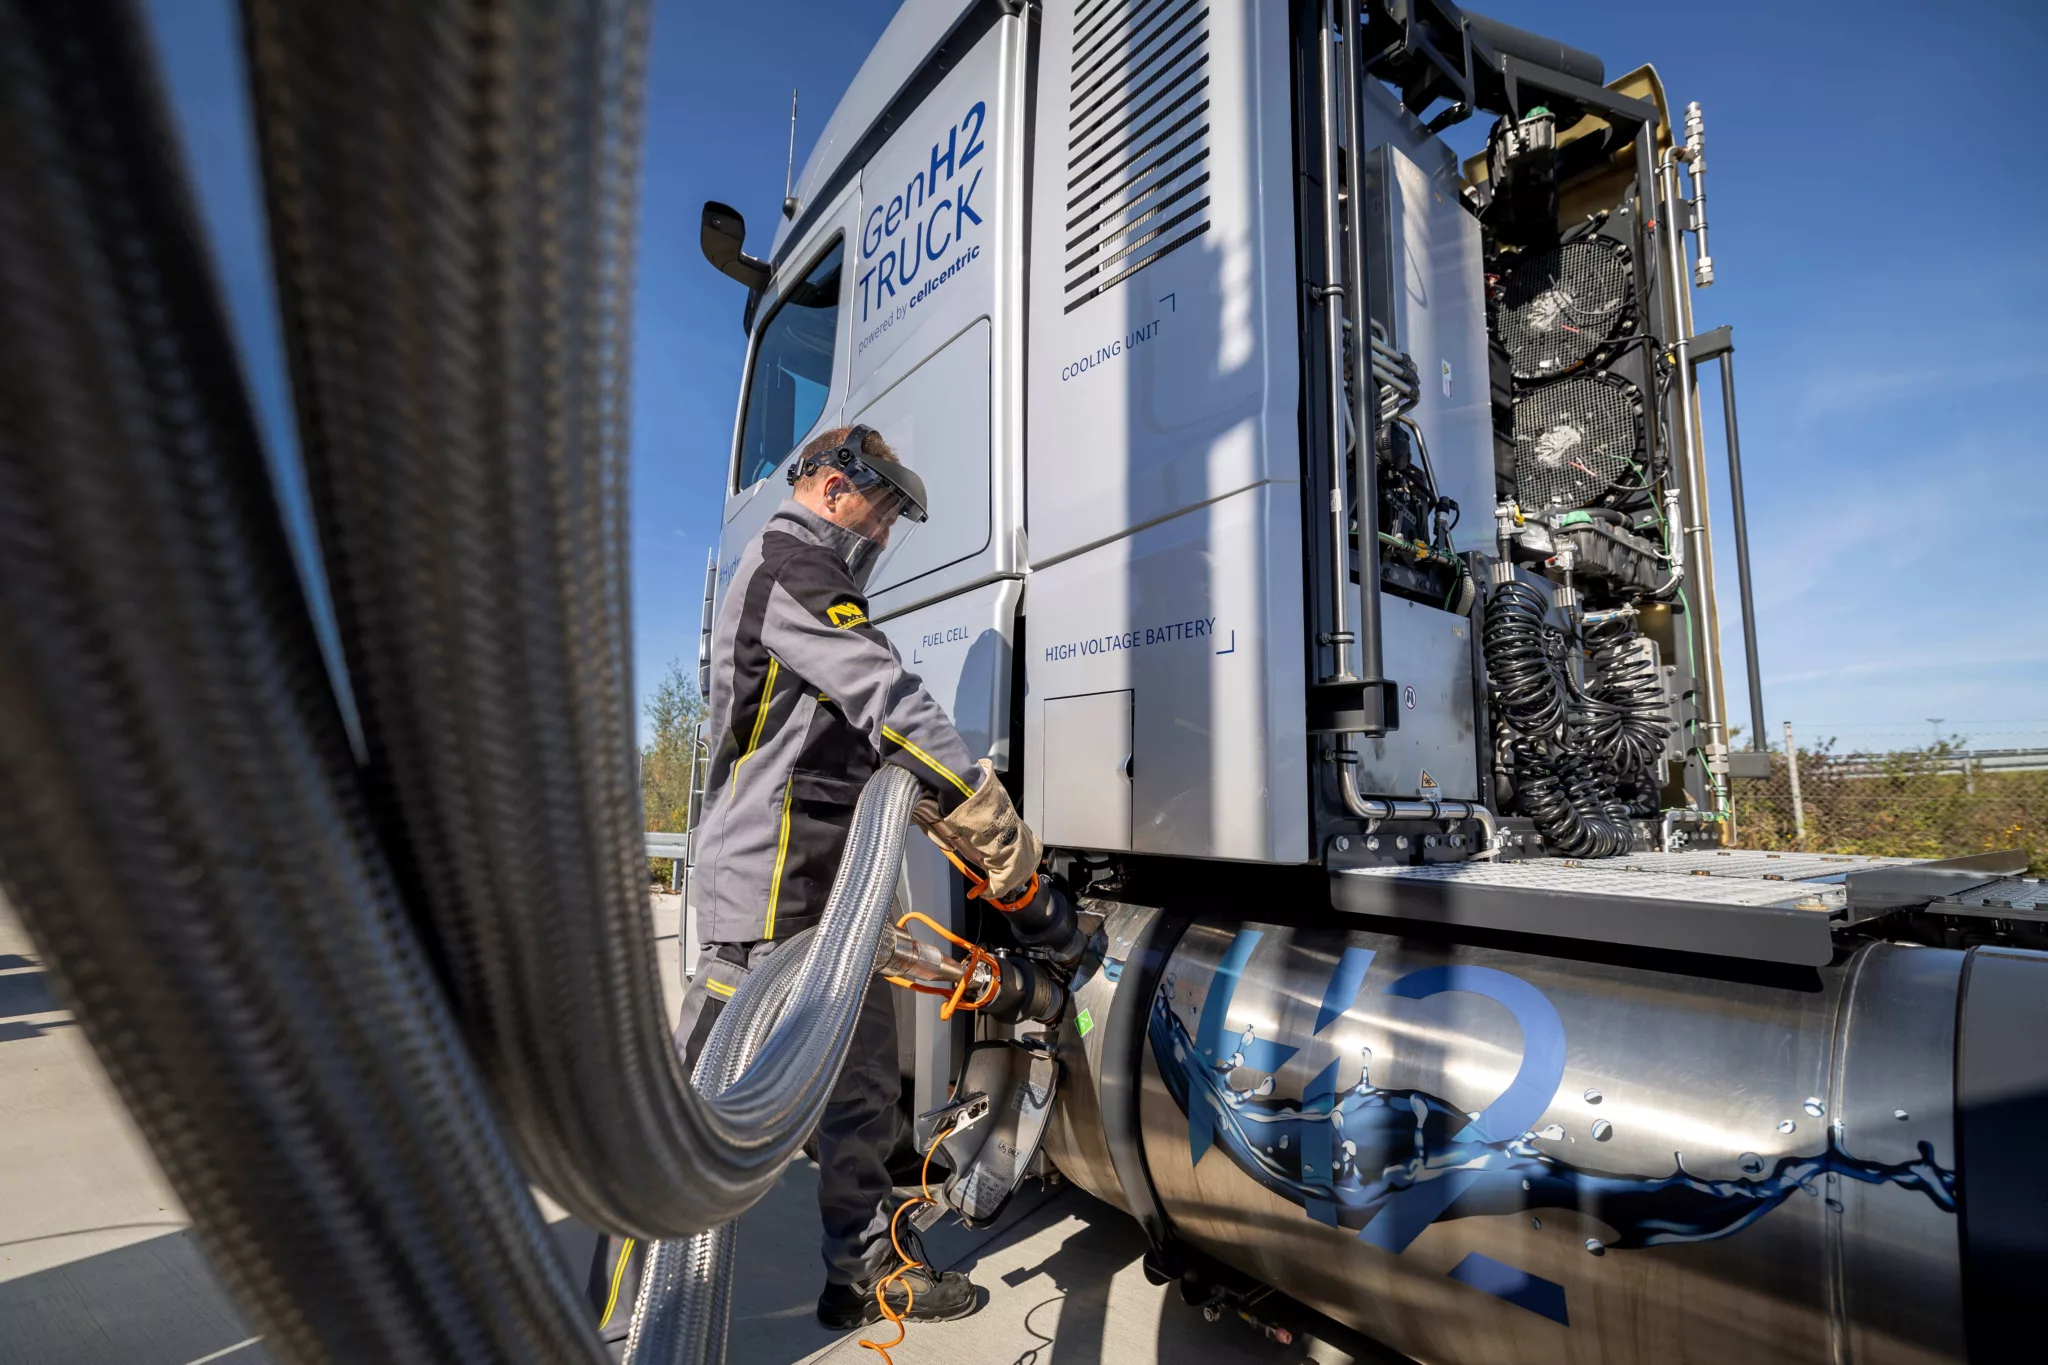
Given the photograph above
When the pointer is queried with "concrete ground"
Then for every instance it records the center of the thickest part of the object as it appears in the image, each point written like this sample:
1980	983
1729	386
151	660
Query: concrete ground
97	1265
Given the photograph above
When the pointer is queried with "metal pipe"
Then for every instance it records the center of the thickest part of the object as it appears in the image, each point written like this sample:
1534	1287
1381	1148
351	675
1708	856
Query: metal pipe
1365	450
1693	481
1406	808
1696	167
1710	597
1749	650
1330	297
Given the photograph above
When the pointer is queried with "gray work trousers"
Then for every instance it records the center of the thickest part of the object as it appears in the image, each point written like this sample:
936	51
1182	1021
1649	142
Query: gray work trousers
861	1123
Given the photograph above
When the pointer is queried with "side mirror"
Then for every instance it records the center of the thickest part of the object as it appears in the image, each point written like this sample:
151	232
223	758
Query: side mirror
723	237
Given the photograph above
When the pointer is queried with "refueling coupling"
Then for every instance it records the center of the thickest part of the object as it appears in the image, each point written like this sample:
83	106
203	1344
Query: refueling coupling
1010	987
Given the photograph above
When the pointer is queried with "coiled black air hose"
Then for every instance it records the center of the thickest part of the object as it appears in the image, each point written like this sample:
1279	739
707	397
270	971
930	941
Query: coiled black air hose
1563	794
1571	747
1633	719
1522	661
180	821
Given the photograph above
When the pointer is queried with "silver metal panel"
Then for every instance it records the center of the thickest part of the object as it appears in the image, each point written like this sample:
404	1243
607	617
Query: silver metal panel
1552	1162
937	254
933	228
1429	653
1175	386
1199	617
918	27
1086	759
937	419
1437	276
960	649
1598	879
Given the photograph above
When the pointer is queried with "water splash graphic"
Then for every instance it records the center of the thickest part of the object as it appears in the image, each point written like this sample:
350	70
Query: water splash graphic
1381	1142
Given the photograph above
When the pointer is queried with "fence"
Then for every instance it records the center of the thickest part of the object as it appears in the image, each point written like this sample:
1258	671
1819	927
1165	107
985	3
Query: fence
1943	800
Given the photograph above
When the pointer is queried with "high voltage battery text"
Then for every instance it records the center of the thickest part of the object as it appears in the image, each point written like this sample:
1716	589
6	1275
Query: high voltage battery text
1199	628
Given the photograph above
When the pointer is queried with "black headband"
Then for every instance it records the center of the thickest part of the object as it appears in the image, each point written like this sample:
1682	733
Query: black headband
850	457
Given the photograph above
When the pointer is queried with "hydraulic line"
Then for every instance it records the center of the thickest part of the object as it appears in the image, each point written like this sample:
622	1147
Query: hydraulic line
181	825
453	242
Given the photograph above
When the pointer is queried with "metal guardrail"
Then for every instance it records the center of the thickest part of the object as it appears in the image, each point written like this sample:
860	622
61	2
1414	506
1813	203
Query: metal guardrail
676	848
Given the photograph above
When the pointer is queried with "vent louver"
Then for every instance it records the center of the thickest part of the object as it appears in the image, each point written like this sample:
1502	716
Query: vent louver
1138	139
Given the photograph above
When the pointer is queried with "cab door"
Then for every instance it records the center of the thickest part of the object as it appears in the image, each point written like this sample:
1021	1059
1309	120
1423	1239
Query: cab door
794	384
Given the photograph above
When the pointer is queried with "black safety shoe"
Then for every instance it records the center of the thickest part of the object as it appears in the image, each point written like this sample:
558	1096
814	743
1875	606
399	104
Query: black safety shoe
940	1297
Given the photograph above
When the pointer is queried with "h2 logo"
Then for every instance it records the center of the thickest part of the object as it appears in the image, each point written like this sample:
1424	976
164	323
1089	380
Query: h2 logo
1401	1219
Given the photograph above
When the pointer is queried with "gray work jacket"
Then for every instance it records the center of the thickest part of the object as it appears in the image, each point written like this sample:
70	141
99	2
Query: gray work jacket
807	701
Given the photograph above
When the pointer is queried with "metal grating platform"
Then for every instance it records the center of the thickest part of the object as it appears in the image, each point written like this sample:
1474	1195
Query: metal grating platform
1746	863
1611	877
2006	895
1739	903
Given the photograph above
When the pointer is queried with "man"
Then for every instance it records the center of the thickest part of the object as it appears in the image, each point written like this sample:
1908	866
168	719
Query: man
807	701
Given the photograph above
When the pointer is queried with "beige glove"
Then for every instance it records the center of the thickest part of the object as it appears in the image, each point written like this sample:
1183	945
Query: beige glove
986	831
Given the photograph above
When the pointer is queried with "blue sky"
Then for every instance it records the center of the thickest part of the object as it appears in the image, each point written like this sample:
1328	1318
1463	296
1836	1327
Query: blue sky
1873	218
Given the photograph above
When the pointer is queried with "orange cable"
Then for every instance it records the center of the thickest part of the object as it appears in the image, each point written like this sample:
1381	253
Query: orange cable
924	1180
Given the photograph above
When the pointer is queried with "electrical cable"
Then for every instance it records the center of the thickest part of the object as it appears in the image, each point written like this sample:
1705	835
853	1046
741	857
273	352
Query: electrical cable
909	1262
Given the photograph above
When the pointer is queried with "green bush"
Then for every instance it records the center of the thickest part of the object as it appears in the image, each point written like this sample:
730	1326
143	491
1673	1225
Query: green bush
668	764
1912	803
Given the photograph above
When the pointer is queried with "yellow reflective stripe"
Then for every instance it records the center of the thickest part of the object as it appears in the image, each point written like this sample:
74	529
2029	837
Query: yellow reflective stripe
719	988
781	855
761	713
618	1278
941	769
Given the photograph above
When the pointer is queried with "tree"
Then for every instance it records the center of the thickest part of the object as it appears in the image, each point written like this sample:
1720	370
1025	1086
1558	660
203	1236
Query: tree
668	764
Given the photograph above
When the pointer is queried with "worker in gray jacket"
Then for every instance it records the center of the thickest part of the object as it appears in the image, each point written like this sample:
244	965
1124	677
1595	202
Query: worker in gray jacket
807	700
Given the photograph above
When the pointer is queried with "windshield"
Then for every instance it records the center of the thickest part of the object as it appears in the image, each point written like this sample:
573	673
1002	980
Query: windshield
792	370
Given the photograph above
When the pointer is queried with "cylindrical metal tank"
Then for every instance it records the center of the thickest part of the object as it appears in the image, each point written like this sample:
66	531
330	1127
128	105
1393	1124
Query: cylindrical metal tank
1475	1155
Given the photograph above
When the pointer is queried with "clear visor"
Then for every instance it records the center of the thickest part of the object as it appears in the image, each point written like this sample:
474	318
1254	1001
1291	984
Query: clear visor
889	518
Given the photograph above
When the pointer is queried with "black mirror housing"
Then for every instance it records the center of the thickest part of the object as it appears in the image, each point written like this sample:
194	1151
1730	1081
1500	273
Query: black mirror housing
723	236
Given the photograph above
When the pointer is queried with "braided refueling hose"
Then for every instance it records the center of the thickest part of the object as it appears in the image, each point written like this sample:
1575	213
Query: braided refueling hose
181	825
685	1303
454	247
318	986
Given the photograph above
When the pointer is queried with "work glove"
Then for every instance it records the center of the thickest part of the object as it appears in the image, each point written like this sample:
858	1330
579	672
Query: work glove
986	831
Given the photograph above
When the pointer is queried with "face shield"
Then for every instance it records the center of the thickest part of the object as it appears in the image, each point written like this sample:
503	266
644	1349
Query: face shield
883	507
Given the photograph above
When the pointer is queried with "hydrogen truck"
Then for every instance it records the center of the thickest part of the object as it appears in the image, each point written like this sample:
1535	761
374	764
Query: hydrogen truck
1318	544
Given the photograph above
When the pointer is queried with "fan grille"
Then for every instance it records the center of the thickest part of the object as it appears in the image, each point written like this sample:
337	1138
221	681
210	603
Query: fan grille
1560	305
1574	440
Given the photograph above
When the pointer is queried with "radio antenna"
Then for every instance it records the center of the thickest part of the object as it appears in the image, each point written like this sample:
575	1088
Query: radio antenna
789	205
